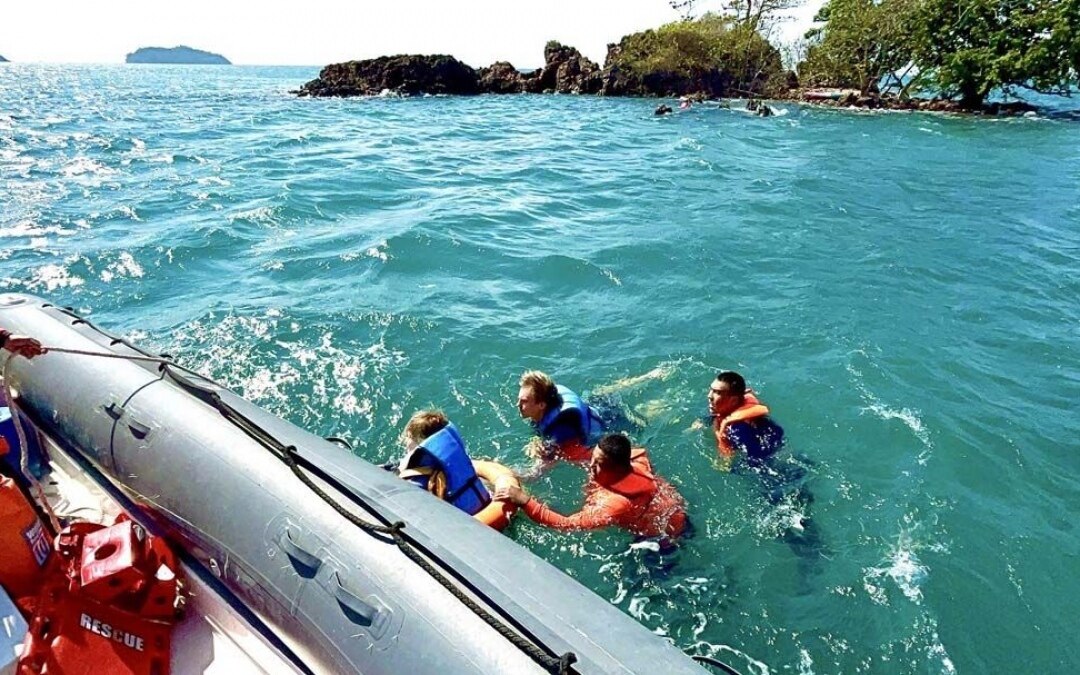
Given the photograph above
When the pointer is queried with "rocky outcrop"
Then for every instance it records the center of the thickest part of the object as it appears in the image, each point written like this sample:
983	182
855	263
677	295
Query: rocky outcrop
847	98
405	74
618	81
3	60
179	54
501	78
620	77
565	71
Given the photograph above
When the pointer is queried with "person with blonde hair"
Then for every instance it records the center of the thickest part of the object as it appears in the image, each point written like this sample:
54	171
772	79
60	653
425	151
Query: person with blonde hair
567	426
437	460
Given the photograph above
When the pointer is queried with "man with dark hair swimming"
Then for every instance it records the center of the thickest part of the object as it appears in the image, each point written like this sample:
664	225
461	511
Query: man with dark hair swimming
622	492
740	421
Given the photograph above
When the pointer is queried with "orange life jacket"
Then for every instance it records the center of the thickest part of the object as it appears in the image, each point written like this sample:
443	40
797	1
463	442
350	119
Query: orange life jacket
656	508
751	408
25	544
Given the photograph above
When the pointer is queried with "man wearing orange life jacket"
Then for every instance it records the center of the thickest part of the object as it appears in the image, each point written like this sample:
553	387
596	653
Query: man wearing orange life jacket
741	421
622	492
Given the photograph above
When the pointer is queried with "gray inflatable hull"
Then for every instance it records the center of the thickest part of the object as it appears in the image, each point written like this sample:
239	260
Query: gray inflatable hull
343	600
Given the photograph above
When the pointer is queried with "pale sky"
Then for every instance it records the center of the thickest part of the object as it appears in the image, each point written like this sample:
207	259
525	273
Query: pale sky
318	32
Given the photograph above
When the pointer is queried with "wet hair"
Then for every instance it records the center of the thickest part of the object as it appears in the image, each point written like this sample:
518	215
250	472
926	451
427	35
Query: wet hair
616	448
423	424
734	381
542	386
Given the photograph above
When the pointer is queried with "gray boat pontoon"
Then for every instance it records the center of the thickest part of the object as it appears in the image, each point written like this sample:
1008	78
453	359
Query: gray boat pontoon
297	549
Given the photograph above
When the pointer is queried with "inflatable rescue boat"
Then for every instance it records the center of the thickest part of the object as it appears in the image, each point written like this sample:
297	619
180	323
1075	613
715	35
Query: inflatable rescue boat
296	555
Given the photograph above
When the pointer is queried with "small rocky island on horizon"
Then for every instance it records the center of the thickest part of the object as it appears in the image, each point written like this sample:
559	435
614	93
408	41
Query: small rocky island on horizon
176	55
2	59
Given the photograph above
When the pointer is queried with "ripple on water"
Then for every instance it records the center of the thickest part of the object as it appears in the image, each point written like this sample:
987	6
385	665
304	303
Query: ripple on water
910	322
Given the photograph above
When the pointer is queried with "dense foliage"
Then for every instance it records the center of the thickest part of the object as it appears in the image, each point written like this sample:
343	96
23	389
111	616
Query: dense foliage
695	50
862	40
958	48
971	47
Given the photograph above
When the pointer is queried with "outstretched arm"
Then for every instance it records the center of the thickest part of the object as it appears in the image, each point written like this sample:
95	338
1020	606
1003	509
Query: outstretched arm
593	516
589	518
23	346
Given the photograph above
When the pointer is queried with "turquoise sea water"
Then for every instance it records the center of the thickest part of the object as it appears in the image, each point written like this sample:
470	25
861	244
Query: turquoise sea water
901	289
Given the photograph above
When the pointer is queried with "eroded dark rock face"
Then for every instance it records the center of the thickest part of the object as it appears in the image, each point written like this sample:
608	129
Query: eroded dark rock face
565	71
701	85
406	74
501	78
875	101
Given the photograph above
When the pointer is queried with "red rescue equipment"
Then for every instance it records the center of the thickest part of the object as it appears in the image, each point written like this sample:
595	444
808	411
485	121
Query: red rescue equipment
109	606
24	544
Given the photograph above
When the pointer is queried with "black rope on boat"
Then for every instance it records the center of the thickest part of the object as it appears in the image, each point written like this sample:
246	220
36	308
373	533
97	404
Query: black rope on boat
561	665
288	454
708	660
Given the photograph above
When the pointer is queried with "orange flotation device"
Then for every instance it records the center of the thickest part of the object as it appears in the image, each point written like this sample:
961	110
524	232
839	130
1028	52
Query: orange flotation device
25	544
496	514
751	408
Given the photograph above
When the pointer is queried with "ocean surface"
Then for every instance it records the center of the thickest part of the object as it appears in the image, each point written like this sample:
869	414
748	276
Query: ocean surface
903	290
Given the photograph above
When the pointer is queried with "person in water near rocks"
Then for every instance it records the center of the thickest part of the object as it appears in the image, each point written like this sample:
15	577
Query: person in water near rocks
436	459
622	491
23	346
762	109
663	109
567	427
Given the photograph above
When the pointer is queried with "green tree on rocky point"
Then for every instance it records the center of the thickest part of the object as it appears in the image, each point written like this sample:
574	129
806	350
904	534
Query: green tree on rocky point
861	42
969	48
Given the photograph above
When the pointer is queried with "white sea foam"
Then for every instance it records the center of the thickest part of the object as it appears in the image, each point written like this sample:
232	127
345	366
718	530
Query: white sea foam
128	212
28	228
377	254
51	277
261	214
910	418
124	266
903	568
82	165
611	275
937	650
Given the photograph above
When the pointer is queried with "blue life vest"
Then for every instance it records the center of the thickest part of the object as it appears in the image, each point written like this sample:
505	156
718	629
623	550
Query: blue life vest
587	421
445	451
